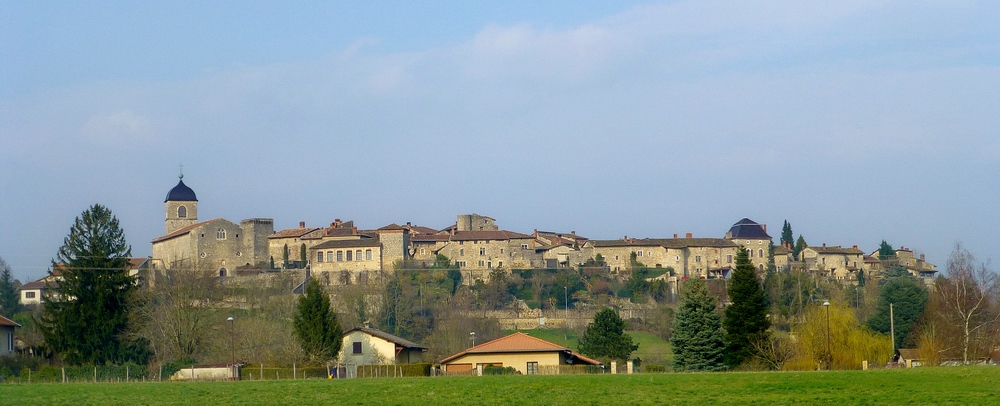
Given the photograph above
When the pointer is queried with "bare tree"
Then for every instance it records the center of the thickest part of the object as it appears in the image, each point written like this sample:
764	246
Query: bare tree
965	294
180	317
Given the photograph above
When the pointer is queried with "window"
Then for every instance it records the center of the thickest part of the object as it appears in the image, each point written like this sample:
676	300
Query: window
824	261
481	263
760	253
729	259
499	264
638	254
532	368
182	212
697	258
357	347
677	258
423	251
29	295
349	252
340	255
750	252
368	255
222	271
319	256
501	251
461	243
489	264
220	234
482	251
10	342
524	246
616	257
461	252
461	264
357	255
329	256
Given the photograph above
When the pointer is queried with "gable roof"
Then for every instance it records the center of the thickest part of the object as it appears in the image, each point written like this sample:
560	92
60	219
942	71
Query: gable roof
667	242
835	250
293	232
8	322
519	342
362	242
184	230
488	235
387	337
748	229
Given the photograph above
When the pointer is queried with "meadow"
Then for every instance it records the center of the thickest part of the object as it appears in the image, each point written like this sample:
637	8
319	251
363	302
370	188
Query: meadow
942	385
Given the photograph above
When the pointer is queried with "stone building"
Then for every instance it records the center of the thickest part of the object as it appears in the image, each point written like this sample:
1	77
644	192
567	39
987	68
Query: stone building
217	244
834	262
754	238
689	257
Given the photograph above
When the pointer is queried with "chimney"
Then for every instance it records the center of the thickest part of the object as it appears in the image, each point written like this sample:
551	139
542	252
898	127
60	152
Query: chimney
675	236
408	224
689	235
765	228
824	245
336	223
573	232
536	233
921	257
631	240
302	224
354	230
855	247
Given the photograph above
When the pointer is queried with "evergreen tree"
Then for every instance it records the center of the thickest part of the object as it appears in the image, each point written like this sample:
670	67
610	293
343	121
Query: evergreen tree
606	337
8	292
746	318
86	321
800	245
908	297
885	251
302	255
284	256
861	277
316	326
697	331
787	239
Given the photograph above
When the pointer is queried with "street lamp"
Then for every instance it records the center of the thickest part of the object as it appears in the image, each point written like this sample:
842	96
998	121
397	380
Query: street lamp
232	343
829	354
566	302
473	335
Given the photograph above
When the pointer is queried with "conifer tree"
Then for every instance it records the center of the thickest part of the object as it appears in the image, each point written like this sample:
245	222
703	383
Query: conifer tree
746	318
606	337
800	245
86	321
316	326
8	292
697	331
787	239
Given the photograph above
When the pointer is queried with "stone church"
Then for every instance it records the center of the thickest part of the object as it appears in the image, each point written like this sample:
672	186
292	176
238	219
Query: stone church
218	244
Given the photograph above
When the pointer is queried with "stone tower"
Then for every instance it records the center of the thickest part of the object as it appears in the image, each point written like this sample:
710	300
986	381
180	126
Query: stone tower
181	206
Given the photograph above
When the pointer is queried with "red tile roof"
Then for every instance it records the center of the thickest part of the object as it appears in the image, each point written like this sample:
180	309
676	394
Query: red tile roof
488	235
8	322
293	232
518	342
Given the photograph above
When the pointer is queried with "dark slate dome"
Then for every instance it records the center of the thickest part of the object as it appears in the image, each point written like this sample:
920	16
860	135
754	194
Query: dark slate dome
181	193
747	228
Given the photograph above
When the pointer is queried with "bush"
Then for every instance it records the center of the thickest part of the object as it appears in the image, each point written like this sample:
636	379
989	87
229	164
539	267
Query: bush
497	370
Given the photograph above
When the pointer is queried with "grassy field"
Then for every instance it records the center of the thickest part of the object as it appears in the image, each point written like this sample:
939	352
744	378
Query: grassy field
955	385
652	349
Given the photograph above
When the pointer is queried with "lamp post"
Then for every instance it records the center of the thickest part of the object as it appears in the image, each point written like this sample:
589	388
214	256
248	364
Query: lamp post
566	302
473	335
829	354
232	343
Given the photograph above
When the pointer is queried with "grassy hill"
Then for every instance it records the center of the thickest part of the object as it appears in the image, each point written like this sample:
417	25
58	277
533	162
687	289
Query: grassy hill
958	385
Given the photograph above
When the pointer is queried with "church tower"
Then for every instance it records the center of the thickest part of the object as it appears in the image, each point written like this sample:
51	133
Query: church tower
182	207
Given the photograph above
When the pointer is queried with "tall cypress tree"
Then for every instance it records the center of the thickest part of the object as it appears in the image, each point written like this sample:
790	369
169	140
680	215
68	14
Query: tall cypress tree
787	239
86	321
316	326
746	318
800	245
8	292
697	331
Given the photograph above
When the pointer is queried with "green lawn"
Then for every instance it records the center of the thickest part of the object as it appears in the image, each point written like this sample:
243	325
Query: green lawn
956	385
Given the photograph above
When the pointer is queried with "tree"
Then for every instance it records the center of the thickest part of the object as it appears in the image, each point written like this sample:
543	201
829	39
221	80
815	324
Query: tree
800	245
697	333
746	318
787	239
832	335
885	251
284	256
179	317
606	337
8	291
908	297
965	294
302	254
87	321
316	326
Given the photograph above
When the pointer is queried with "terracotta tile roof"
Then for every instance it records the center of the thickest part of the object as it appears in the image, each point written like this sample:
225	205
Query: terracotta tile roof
488	235
387	337
184	230
668	243
293	232
135	263
909	353
364	242
836	250
518	342
430	237
392	227
8	322
422	230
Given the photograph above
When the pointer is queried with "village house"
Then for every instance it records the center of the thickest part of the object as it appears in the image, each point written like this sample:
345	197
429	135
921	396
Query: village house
368	346
753	237
833	262
689	257
7	327
526	354
32	292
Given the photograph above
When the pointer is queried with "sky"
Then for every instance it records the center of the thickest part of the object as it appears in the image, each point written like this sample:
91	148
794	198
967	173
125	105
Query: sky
855	121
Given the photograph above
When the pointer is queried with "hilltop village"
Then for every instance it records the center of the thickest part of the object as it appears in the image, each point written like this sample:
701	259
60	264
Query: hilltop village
342	253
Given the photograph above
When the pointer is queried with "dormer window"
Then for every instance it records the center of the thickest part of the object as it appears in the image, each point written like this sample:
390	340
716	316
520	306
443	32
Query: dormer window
220	234
182	212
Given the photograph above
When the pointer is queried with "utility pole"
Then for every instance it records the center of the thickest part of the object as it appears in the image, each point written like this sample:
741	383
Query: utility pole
892	329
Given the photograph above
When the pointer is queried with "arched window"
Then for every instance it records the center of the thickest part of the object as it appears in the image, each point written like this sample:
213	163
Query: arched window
182	212
221	234
760	253
222	271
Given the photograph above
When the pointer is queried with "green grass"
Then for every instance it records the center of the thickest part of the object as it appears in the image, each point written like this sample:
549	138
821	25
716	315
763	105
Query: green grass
652	349
956	385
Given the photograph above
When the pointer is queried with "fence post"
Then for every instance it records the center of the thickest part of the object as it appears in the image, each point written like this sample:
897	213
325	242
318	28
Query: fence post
293	371
126	372
160	375
262	371
95	373
64	374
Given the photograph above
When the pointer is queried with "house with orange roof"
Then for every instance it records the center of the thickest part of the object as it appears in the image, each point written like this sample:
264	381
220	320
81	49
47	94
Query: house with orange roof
526	354
7	327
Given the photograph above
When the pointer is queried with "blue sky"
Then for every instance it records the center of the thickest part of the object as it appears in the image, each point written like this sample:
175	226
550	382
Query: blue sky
856	121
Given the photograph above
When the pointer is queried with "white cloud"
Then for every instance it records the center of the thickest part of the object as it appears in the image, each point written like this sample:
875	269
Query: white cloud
121	128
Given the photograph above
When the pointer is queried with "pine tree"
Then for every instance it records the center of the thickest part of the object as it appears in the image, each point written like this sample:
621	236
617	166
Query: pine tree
316	326
885	251
8	292
86	321
697	331
746	318
800	245
606	337
787	239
